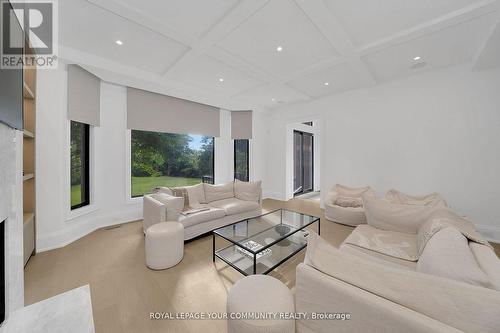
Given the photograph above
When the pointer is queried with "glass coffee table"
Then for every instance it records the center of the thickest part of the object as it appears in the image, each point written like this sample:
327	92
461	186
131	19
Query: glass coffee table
260	244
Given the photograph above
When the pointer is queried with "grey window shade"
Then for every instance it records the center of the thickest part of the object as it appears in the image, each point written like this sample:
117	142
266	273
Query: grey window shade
84	96
148	111
241	124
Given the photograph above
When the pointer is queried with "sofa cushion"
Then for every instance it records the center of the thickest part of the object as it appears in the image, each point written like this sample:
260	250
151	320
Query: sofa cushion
487	261
200	217
348	202
433	199
196	193
384	215
447	254
391	243
218	192
377	257
249	191
235	206
352	192
173	204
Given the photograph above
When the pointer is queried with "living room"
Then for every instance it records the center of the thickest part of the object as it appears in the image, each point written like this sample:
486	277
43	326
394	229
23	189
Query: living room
250	166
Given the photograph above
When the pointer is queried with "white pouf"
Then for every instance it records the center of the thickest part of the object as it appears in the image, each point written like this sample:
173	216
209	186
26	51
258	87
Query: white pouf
164	245
260	294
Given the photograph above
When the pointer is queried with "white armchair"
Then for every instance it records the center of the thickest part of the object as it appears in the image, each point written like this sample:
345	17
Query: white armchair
344	204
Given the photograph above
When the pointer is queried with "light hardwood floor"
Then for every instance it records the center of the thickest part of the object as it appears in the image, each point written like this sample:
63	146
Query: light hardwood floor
124	292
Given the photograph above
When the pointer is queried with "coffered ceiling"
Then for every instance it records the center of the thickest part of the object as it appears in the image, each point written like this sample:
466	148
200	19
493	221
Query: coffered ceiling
242	54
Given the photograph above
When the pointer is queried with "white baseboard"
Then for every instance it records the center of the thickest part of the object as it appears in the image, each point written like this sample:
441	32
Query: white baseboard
491	233
272	195
73	232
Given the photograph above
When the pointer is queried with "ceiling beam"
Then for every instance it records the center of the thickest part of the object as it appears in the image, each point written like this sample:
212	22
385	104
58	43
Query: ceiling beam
232	20
142	18
462	15
488	55
323	18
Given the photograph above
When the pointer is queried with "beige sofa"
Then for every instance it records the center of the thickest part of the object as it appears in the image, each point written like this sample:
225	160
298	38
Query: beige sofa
223	203
411	269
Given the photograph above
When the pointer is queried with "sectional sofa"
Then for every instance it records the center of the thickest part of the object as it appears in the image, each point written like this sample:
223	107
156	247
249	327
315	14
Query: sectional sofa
204	207
410	269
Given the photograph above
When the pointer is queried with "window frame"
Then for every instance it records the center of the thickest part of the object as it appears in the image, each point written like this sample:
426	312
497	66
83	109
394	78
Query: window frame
85	186
133	199
248	158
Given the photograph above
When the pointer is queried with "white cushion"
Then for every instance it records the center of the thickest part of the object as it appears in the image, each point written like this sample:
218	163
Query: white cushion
218	192
173	204
200	217
447	254
487	261
235	206
384	215
196	193
249	191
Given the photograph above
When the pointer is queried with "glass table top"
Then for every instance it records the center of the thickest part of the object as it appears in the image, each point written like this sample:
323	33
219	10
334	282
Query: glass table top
257	234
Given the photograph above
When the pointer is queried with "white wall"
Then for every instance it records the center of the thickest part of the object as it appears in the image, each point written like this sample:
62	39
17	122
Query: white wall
110	164
56	224
438	131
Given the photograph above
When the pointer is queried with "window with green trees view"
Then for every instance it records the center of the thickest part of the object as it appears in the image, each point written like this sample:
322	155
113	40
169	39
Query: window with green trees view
165	159
80	157
241	159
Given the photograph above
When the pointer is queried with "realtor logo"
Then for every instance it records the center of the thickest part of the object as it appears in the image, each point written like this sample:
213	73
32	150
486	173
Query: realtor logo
29	34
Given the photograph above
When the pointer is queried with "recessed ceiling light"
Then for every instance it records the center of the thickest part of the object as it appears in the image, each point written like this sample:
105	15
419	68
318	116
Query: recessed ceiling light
221	80
417	58
326	83
279	48
119	42
273	99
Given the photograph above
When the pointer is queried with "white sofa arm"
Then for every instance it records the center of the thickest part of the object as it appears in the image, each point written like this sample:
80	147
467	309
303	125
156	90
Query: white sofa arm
153	212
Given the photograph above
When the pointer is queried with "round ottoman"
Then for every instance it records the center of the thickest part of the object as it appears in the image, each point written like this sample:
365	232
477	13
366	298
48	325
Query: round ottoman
259	294
164	245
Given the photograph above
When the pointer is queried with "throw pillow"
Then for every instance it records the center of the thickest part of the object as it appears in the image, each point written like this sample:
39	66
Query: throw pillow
447	254
348	202
181	192
384	215
218	192
248	191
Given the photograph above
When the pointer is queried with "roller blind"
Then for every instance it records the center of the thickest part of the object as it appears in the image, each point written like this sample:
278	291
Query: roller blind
148	111
241	124
84	96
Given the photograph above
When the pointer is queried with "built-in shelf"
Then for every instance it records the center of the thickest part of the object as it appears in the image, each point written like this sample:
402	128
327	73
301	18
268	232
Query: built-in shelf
27	93
28	134
27	217
28	176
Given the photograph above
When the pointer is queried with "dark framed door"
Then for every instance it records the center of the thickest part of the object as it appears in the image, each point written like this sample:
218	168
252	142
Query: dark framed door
303	162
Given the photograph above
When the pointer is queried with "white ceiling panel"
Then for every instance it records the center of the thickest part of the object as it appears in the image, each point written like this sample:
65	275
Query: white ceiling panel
452	46
368	21
89	28
191	17
271	96
207	72
279	23
328	81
